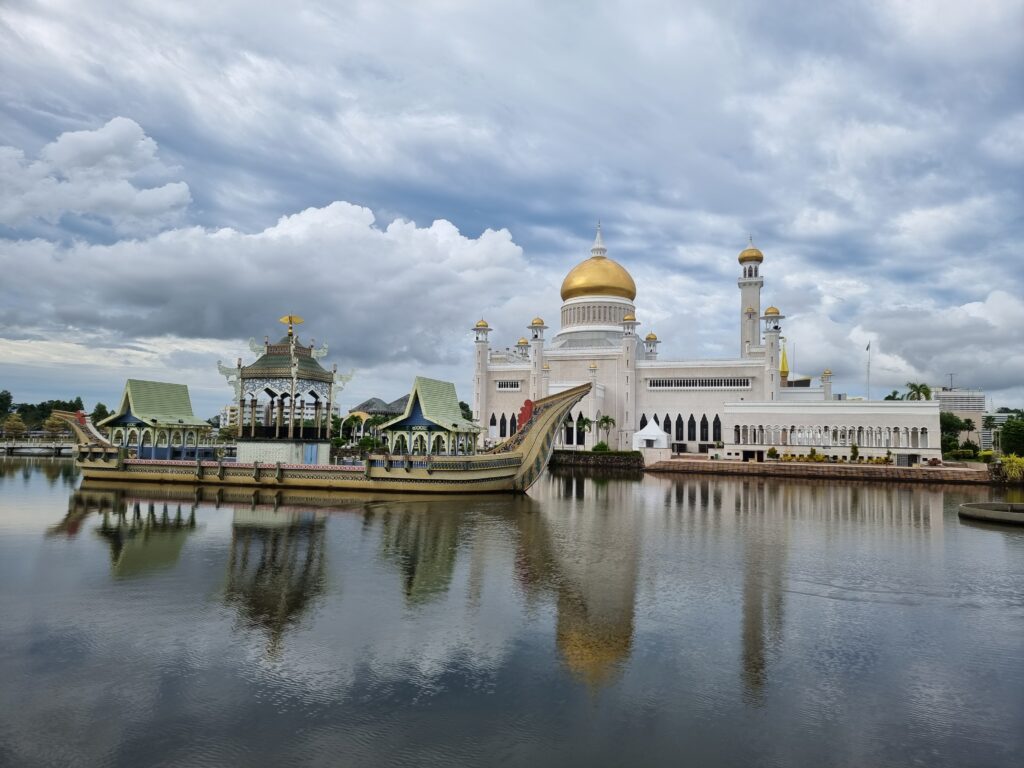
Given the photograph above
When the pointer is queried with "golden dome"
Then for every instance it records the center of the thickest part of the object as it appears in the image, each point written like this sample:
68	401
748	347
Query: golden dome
598	276
629	318
651	337
827	372
749	309
772	311
750	253
522	342
536	321
481	323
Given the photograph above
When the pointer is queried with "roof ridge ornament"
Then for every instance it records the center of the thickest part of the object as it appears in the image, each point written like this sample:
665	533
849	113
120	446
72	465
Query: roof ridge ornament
291	321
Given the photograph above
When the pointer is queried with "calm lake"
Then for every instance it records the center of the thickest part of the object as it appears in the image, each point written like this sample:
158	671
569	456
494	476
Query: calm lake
596	621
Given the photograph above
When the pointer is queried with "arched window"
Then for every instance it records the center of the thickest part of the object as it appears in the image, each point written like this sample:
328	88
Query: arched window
666	424
643	420
570	430
736	434
716	429
512	425
680	428
924	437
503	427
494	420
581	437
691	428
703	429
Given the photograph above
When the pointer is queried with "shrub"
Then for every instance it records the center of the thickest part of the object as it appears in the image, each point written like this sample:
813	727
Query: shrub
985	456
601	447
772	453
969	446
1013	467
854	452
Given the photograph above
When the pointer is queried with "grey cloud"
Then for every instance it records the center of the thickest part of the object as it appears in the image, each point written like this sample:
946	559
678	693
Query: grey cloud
864	145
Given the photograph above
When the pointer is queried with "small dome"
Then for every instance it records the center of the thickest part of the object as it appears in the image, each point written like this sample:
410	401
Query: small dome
522	342
827	372
593	366
772	311
481	323
536	321
651	337
749	309
629	318
751	254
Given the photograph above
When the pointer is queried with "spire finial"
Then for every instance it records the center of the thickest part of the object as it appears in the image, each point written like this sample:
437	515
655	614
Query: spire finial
598	248
750	239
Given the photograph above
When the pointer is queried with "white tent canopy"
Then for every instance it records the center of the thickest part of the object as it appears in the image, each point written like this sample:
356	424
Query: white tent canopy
651	436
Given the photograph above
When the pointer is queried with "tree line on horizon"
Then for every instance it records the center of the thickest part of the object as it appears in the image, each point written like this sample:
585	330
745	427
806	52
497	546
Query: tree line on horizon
18	419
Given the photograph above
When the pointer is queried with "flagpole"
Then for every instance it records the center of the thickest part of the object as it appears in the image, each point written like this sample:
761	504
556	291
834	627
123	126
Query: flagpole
868	382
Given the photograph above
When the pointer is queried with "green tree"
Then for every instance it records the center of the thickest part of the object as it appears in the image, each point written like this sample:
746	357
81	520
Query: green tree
950	423
467	412
6	399
1011	437
894	395
969	427
14	426
918	391
99	413
606	424
228	434
584	423
55	427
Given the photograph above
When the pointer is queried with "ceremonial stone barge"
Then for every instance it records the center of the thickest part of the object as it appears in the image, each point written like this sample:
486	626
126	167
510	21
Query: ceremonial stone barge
432	448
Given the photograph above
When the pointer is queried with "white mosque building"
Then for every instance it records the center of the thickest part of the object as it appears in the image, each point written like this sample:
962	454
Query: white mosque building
734	408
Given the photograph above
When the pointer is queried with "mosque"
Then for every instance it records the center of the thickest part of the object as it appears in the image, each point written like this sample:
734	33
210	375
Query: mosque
734	408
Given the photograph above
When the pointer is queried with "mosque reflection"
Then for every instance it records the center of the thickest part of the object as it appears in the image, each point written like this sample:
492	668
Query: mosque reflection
577	543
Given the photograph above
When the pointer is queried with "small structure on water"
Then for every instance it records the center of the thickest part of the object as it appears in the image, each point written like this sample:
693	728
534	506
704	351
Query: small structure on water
432	423
155	419
278	384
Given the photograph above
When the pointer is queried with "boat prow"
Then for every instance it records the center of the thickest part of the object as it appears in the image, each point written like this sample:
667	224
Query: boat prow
1004	513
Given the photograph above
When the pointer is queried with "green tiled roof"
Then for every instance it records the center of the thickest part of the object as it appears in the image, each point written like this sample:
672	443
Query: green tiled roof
157	401
439	403
276	362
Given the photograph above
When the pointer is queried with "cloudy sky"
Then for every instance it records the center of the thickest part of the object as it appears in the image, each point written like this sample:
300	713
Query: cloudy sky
176	176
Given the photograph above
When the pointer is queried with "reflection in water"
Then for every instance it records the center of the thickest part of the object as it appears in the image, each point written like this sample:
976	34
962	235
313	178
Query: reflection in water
586	623
53	469
276	567
588	556
141	540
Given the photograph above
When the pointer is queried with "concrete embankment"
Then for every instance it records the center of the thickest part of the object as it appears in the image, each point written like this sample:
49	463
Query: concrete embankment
632	460
868	472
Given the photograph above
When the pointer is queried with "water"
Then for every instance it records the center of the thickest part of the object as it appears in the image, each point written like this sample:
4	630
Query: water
654	621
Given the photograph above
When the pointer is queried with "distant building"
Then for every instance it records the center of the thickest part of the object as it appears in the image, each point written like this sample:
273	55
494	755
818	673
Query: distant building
964	404
229	414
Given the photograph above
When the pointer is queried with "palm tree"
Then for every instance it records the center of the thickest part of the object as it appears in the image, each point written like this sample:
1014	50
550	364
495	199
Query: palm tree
605	424
918	391
970	427
584	423
894	395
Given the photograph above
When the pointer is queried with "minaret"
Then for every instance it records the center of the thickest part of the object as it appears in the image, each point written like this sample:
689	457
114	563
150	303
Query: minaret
480	383
750	283
772	362
651	346
592	403
626	418
826	383
784	369
536	330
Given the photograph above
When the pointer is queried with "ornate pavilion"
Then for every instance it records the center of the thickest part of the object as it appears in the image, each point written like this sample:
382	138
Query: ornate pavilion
155	419
277	385
432	422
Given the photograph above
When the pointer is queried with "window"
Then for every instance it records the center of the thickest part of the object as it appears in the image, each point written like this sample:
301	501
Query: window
508	386
503	429
703	429
694	383
716	429
691	428
680	428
